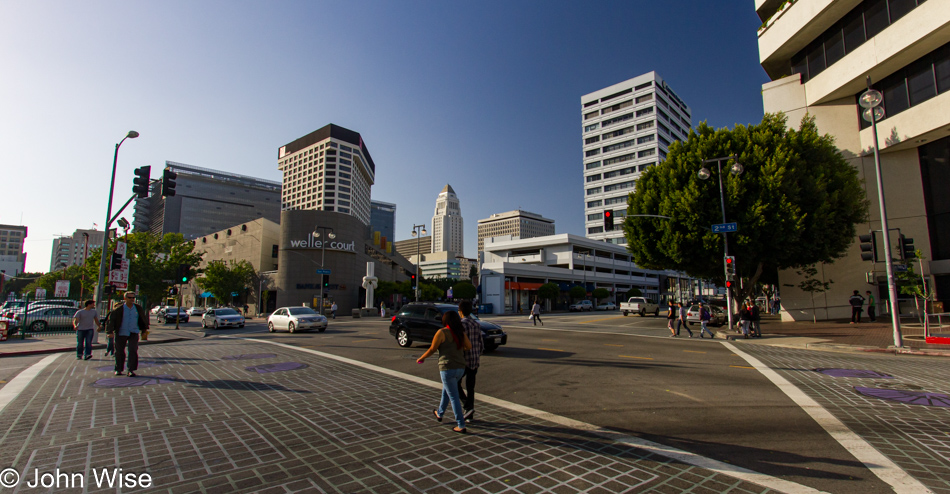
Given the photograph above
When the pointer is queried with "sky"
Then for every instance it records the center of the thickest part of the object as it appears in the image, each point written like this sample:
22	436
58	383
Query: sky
484	96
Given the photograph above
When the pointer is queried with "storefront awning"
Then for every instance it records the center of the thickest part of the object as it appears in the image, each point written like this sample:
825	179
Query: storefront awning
206	295
516	285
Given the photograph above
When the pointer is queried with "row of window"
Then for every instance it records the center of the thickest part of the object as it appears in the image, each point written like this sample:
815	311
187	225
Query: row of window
919	81
864	22
618	94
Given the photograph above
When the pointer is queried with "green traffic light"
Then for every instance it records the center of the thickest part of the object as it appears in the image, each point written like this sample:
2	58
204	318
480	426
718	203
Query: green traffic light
184	279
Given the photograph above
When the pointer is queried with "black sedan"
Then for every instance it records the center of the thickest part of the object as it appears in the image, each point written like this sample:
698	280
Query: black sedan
420	322
170	314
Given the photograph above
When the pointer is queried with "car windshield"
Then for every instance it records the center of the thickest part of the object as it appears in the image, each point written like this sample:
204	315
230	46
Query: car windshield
302	311
694	308
171	310
225	312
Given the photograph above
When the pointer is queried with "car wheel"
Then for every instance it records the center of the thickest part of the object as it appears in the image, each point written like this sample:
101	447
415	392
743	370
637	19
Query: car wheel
322	329
490	347
270	327
656	313
643	312
38	326
241	326
624	313
215	324
203	326
402	338
291	327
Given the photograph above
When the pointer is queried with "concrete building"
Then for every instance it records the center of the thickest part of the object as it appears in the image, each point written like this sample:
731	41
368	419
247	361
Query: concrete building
447	234
12	255
256	242
818	54
206	201
517	223
514	269
73	251
627	128
382	219
444	264
329	169
410	248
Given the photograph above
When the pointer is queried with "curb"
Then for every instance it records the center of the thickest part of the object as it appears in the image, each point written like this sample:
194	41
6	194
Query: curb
98	346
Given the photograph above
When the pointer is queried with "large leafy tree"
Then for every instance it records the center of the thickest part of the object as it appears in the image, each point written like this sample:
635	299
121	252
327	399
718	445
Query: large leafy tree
796	203
73	274
464	290
222	279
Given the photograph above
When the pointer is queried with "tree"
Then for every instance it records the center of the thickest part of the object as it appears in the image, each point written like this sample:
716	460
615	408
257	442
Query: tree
812	285
634	292
386	289
549	291
577	292
472	272
222	279
47	281
464	290
600	293
430	292
796	203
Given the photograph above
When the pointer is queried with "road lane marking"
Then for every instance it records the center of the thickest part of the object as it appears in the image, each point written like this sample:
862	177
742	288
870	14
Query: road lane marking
877	463
16	385
692	351
684	395
552	350
631	356
742	367
361	339
717	466
601	319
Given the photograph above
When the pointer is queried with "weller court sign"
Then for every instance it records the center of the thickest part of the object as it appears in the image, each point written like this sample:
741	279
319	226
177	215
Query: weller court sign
313	243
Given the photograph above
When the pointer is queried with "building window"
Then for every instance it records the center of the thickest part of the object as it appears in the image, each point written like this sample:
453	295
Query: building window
619	145
915	83
645	111
615	200
595	216
590	127
643	86
594	204
592	165
645	125
616	120
646	152
618	106
592	152
593	178
591	140
593	190
619	159
646	138
590	115
595	229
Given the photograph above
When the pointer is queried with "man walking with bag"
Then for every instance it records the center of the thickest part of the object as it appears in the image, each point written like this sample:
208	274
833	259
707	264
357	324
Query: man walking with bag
127	323
536	313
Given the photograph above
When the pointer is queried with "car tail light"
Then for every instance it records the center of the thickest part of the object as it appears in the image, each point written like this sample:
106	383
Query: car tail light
394	319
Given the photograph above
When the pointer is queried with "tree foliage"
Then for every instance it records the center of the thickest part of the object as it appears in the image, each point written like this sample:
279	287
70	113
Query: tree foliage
222	279
549	291
577	292
600	293
73	274
634	292
796	203
464	290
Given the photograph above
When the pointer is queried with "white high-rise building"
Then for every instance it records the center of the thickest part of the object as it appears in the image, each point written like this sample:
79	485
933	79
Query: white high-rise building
329	169
71	251
517	223
627	127
447	223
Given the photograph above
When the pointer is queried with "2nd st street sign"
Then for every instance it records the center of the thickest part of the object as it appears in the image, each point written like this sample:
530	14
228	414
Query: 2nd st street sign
725	227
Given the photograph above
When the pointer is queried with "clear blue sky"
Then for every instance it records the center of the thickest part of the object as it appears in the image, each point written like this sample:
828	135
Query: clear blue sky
482	95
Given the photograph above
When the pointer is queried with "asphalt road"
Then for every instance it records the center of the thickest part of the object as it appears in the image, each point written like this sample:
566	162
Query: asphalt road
627	374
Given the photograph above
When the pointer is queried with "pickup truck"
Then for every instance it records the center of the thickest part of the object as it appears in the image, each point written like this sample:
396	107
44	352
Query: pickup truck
639	305
581	306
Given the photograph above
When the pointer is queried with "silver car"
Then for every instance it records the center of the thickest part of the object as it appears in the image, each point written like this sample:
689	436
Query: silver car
222	318
296	319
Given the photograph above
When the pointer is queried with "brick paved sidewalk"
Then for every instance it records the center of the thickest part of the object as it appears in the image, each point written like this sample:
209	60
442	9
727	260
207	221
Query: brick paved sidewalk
67	342
230	415
866	334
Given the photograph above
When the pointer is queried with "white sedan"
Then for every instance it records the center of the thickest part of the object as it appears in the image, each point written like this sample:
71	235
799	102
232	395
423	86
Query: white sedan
607	306
296	318
195	311
222	318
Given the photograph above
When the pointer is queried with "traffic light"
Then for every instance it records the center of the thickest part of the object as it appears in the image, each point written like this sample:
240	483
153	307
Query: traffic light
140	183
730	262
608	220
168	183
908	251
868	247
182	273
108	290
412	278
173	290
326	281
730	283
116	262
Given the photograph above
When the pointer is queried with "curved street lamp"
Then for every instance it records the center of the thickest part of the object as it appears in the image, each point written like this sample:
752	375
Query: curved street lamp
871	101
704	174
418	235
105	237
323	251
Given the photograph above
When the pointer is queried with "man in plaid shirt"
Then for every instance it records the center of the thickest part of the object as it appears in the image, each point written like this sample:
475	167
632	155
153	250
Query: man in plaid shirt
474	332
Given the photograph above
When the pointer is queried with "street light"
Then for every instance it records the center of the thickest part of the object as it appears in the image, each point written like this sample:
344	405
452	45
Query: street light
704	174
323	251
418	235
105	237
871	101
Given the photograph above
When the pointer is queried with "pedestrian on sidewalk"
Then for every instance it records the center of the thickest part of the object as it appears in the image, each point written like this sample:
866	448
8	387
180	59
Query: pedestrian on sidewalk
333	310
670	316
451	342
473	331
704	317
871	306
110	337
756	320
382	309
85	322
536	313
681	319
745	319
857	307
127	323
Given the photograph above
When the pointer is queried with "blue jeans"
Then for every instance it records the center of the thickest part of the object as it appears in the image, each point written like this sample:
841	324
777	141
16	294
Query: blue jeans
110	348
450	391
680	322
84	342
705	329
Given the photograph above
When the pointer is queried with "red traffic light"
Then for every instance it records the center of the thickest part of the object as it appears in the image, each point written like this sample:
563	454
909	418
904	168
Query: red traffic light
608	214
729	284
730	260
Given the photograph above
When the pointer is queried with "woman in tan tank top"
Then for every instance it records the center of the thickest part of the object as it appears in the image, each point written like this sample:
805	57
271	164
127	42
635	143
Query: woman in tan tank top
450	341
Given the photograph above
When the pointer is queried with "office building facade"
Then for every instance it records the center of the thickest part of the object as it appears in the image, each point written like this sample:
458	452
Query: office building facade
818	55
627	128
410	248
73	250
205	202
447	234
329	169
12	249
382	219
517	223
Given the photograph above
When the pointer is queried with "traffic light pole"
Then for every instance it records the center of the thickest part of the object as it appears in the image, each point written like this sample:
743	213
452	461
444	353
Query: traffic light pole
725	236
105	237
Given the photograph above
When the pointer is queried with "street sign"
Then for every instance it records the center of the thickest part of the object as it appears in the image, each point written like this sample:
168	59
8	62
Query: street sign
120	248
62	289
234	294
323	271
725	227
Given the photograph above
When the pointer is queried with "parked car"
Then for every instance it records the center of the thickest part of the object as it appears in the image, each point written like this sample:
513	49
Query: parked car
222	318
17	307
581	306
195	311
717	315
639	305
47	318
296	319
156	309
420	322
607	306
171	314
